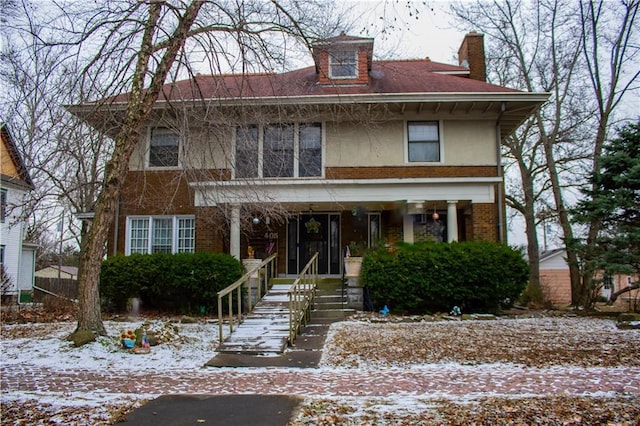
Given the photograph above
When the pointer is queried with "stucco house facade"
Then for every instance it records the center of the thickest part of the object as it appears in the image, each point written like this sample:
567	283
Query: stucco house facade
17	255
349	149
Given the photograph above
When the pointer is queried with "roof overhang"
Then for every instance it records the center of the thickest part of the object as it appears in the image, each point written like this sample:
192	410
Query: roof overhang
512	107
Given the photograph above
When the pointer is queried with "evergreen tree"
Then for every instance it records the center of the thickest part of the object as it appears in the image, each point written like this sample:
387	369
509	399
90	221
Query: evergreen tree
615	201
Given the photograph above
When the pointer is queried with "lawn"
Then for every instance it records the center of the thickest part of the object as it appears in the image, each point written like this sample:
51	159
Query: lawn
383	350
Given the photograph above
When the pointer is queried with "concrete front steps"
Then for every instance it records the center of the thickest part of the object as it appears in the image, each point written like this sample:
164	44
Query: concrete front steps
331	301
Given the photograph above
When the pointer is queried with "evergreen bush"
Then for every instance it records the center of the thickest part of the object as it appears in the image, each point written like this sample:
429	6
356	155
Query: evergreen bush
183	282
434	277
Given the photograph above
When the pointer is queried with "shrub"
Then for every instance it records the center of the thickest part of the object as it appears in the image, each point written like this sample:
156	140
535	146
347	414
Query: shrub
180	282
434	277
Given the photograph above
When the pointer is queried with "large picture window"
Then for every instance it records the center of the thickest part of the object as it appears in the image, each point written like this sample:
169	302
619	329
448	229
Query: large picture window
423	141
276	151
162	234
343	64
164	146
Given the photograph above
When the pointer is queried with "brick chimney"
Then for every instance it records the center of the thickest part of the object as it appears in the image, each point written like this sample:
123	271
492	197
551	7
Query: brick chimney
471	55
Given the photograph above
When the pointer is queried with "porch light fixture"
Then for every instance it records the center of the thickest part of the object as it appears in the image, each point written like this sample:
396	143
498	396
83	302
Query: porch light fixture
256	220
435	216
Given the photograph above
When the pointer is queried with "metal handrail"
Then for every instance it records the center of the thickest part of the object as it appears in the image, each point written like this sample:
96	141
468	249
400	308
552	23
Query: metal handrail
301	294
266	270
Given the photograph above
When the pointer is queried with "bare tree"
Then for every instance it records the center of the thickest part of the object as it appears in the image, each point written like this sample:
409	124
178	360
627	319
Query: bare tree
543	46
134	48
611	51
64	156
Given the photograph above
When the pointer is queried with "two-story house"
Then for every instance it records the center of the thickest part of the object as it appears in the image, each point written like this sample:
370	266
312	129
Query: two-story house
347	150
17	256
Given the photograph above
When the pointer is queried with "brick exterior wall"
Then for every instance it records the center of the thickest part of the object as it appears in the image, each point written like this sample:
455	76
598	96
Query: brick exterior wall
484	219
168	193
211	231
149	193
556	286
409	172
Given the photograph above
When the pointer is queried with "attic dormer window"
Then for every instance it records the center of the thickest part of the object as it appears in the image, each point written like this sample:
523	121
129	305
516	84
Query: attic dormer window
343	64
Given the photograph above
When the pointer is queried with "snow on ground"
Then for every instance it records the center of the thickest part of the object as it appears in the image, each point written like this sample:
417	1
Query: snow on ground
44	345
366	345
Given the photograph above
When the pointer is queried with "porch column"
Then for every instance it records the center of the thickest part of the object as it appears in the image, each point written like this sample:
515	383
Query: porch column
407	228
452	221
234	232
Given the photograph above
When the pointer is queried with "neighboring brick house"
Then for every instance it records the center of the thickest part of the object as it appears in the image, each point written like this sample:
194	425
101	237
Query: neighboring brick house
17	256
350	149
556	281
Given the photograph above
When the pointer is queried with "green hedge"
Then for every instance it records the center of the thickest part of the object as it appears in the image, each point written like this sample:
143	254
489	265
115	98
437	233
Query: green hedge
434	277
182	282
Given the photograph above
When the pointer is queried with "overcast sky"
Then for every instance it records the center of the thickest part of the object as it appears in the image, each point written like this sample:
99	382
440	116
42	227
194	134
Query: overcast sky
409	35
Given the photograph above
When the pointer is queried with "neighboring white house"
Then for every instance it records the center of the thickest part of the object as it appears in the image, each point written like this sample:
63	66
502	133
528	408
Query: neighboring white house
17	256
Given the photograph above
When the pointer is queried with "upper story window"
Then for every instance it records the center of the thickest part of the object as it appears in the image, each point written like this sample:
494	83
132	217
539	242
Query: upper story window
423	140
163	148
247	152
160	234
310	150
343	64
3	205
274	151
278	151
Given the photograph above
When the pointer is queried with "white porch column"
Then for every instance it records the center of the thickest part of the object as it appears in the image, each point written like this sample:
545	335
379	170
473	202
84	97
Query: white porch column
452	221
234	233
407	228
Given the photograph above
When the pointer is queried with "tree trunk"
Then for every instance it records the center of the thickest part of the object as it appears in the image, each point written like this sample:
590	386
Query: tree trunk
627	289
139	106
533	246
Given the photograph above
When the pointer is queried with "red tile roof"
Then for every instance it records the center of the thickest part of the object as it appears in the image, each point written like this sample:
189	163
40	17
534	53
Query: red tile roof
386	77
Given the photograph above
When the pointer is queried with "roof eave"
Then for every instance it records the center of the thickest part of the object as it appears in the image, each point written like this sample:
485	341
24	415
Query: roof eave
367	98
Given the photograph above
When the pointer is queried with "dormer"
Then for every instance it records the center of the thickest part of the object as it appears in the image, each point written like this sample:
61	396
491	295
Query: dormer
343	60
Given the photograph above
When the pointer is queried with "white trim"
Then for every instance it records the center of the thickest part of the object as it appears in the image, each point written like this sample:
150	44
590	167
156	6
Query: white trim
477	190
373	98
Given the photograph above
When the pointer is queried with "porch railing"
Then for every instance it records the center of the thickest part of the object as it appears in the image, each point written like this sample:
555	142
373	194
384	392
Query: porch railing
301	294
264	273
